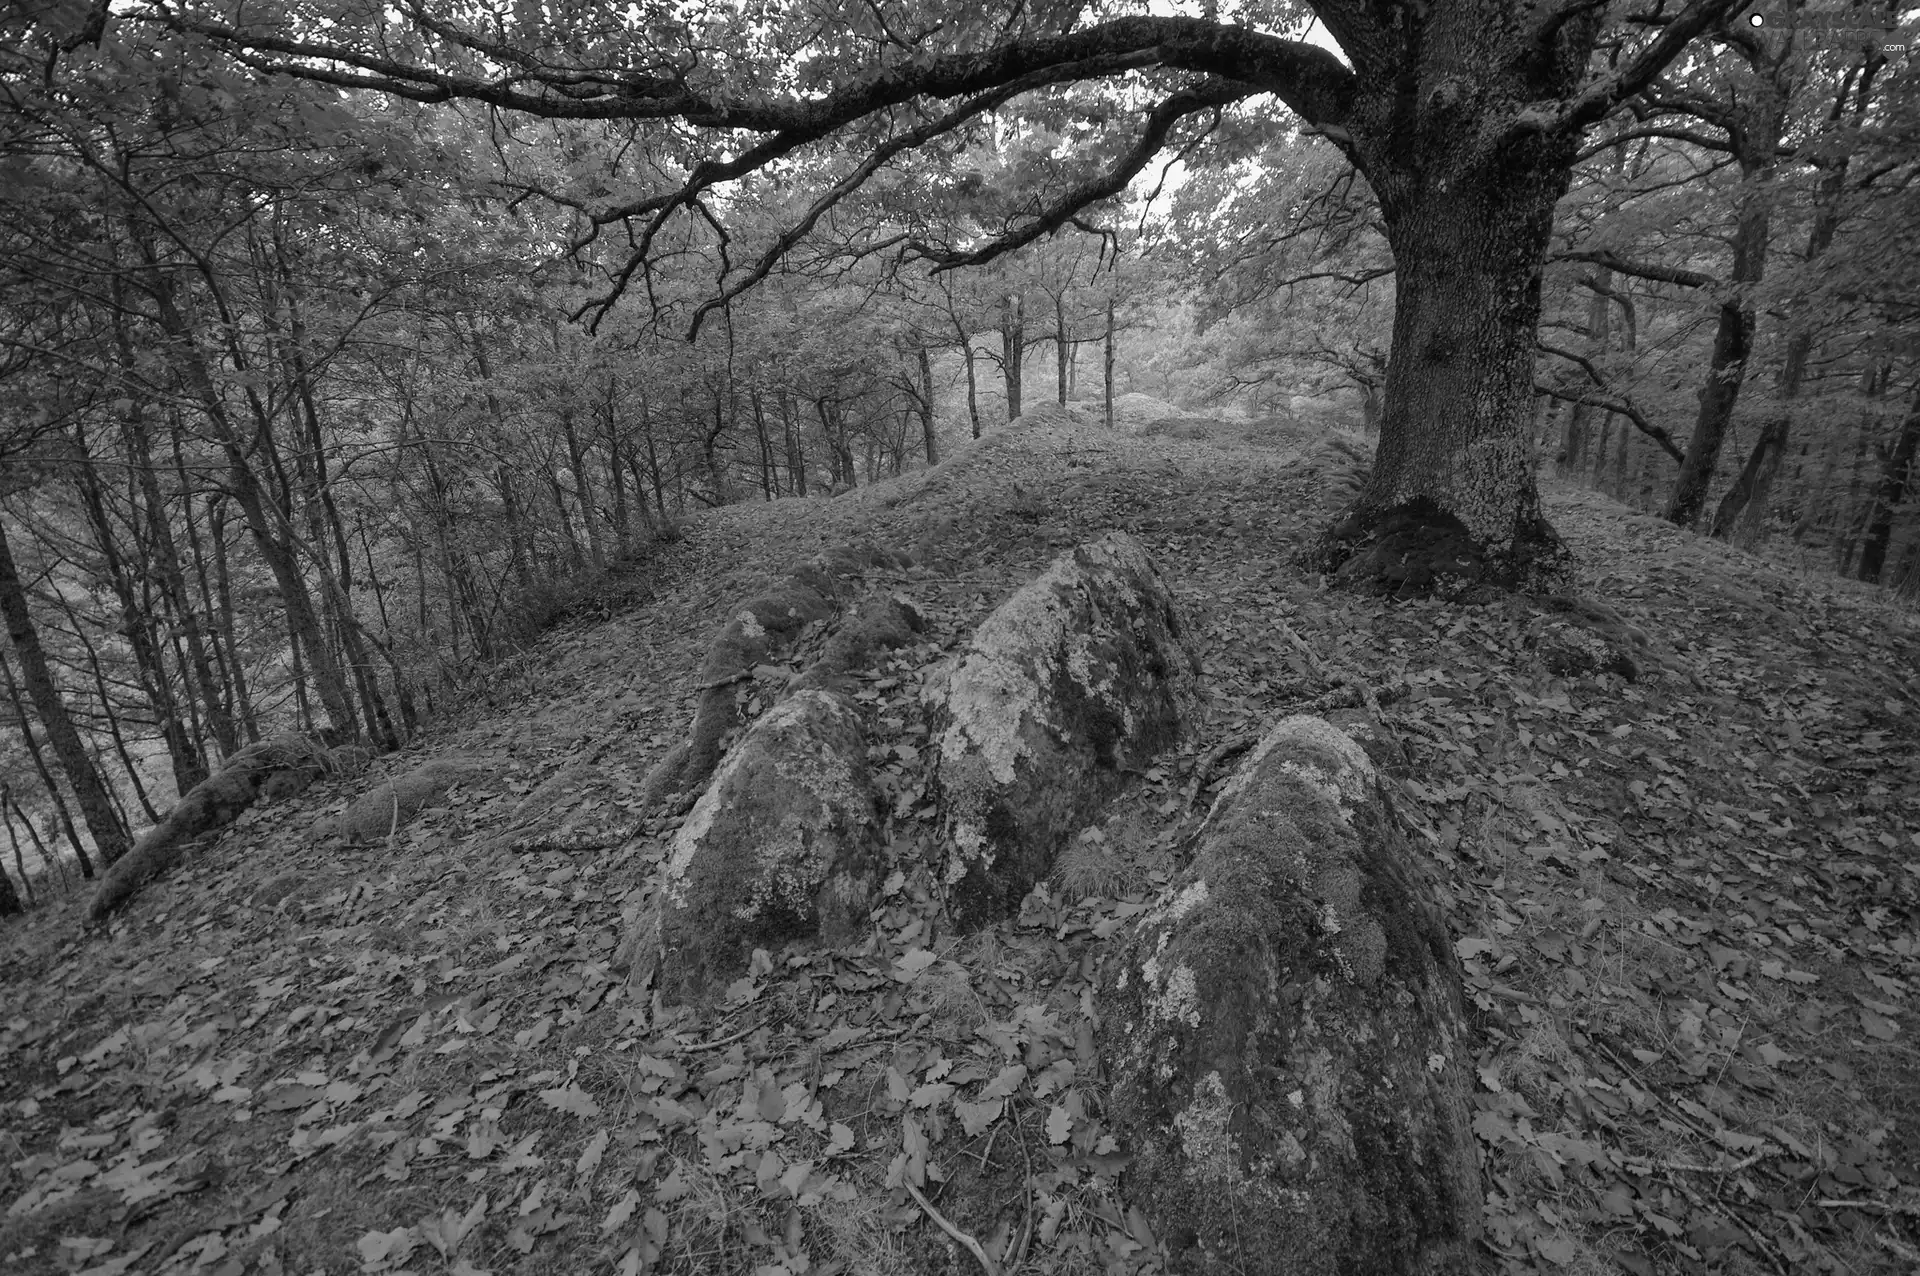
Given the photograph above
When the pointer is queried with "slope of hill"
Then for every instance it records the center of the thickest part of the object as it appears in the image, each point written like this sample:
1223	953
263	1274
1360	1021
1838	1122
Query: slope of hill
1685	904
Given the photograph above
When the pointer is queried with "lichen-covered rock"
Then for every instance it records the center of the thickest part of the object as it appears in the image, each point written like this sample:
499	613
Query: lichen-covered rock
762	629
1079	679
1283	1036
783	845
275	768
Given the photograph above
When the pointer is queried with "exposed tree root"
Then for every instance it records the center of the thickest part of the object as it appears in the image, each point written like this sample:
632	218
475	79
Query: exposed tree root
1418	550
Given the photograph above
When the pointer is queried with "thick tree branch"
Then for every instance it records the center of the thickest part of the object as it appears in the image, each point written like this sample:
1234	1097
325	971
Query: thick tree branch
1705	141
1312	81
1639	269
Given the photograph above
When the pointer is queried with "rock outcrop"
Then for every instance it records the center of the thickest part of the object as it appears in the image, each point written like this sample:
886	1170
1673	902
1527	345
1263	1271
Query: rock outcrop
782	842
783	845
1075	682
275	768
1283	1036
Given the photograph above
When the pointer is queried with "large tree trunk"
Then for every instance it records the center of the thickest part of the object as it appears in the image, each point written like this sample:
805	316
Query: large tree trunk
96	805
1452	493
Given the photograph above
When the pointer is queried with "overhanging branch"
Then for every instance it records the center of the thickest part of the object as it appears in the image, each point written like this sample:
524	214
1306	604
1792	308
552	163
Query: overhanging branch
1604	396
1639	269
1207	95
1607	94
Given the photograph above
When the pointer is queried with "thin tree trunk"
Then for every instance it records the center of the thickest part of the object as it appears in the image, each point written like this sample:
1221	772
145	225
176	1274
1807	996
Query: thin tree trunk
766	444
1013	345
653	460
136	623
303	622
796	457
973	387
90	791
10	905
1572	459
165	554
1733	336
1744	508
105	694
45	772
926	407
617	472
583	492
232	661
47	858
1107	369
1060	348
1896	481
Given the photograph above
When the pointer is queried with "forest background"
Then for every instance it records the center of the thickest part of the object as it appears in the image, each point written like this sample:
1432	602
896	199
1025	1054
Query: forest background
316	404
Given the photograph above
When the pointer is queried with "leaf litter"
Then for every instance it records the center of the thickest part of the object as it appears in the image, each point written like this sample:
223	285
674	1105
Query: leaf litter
1684	906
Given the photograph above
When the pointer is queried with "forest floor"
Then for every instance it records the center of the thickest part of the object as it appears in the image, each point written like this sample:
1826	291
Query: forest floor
1687	907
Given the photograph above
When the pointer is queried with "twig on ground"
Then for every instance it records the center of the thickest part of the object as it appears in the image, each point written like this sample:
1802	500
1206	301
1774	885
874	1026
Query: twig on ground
1689	1168
987	1264
747	1031
1877	1207
393	829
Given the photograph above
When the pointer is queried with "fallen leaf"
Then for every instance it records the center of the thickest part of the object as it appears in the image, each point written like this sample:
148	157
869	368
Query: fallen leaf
571	1099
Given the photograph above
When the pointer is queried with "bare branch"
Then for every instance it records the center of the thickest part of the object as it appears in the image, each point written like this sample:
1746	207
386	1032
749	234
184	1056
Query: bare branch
1608	398
1207	95
1606	95
791	236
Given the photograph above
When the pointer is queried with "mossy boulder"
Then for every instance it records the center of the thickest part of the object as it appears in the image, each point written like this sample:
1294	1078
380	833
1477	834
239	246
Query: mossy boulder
1578	638
390	804
1072	685
1284	1039
782	846
279	767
